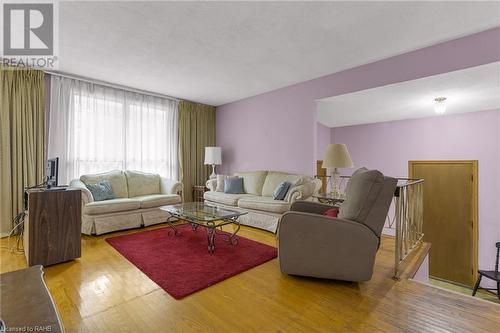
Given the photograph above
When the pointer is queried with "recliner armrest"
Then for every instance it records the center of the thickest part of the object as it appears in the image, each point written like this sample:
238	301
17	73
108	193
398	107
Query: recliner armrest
310	207
86	194
170	186
325	247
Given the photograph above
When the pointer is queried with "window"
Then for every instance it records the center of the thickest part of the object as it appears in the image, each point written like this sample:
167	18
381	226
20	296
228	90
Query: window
95	129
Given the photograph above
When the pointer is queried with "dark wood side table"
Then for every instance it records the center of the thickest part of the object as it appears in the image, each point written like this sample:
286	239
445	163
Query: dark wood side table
52	227
198	191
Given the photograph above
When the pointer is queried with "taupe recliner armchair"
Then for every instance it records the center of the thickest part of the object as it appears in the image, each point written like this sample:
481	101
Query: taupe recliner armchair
341	248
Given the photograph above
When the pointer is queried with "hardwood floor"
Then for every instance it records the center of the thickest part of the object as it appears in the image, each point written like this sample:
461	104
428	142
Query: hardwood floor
488	295
103	292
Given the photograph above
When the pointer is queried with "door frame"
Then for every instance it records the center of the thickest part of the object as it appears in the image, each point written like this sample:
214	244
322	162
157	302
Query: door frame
475	219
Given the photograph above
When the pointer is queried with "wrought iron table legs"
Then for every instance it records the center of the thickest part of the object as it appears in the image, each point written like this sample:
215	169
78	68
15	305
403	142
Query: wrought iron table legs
211	239
172	226
211	229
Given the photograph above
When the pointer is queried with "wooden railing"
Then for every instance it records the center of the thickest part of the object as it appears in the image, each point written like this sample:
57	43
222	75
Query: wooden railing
407	216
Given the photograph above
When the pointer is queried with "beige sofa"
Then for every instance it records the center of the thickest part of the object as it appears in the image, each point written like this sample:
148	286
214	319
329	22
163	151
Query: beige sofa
138	198
262	210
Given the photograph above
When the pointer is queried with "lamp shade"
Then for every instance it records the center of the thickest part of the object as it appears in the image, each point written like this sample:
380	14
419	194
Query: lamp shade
213	156
337	156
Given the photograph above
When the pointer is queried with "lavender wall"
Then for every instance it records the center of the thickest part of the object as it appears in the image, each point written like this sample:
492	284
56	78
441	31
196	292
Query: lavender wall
323	138
277	130
472	136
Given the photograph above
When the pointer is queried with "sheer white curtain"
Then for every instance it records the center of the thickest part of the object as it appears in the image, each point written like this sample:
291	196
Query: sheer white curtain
94	128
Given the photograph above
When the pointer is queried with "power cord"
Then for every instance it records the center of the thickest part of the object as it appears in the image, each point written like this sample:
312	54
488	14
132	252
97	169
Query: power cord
17	232
18	223
36	186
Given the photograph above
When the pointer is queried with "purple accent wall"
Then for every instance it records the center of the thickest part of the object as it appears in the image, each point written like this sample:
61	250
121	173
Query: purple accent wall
323	138
471	136
277	130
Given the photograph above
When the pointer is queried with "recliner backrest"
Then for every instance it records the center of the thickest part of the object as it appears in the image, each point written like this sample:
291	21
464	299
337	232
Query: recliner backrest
368	198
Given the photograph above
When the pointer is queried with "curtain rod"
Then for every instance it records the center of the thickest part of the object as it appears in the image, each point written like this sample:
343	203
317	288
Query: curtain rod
108	84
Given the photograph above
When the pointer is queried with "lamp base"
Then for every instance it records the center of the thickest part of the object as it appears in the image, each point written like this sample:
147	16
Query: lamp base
213	175
335	184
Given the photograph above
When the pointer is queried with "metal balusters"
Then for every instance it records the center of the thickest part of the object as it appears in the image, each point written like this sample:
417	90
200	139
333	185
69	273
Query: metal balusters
409	220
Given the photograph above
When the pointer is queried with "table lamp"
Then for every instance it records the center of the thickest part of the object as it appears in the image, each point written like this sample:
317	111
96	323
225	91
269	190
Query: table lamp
336	156
213	158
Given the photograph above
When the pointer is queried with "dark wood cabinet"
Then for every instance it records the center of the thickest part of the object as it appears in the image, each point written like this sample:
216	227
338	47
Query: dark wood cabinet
52	226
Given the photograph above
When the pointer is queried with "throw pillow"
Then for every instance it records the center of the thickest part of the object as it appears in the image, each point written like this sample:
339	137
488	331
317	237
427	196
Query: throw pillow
281	190
332	212
220	182
233	185
102	190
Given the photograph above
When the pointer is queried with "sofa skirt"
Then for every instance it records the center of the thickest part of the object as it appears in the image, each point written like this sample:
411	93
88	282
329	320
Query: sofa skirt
101	224
254	218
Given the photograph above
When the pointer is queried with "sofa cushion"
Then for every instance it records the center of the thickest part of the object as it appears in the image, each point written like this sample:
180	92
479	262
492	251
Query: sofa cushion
362	191
273	179
253	181
111	206
265	204
115	177
157	200
224	198
141	183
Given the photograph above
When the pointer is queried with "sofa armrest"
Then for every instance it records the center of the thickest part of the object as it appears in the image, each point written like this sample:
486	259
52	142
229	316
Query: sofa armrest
303	191
318	185
86	194
211	184
170	186
326	247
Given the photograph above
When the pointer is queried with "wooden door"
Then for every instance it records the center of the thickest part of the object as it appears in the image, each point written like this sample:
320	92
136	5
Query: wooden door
450	217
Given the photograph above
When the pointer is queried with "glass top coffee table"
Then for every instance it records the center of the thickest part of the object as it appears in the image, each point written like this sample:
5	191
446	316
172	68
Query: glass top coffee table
329	198
211	218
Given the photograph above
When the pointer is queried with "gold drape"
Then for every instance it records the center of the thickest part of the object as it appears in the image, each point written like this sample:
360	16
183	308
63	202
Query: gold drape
22	146
196	131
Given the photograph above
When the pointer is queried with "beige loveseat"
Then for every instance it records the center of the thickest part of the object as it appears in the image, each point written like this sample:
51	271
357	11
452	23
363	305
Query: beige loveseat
138	198
263	211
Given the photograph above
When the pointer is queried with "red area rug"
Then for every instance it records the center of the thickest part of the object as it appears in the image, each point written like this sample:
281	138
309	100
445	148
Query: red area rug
181	264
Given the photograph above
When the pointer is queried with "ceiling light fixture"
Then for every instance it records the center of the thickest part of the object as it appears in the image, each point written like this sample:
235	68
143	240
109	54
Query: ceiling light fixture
440	105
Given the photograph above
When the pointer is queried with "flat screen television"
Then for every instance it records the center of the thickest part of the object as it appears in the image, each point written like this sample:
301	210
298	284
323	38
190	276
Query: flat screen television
51	171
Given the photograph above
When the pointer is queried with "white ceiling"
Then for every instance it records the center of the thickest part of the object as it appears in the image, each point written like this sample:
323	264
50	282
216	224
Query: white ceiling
218	52
469	90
